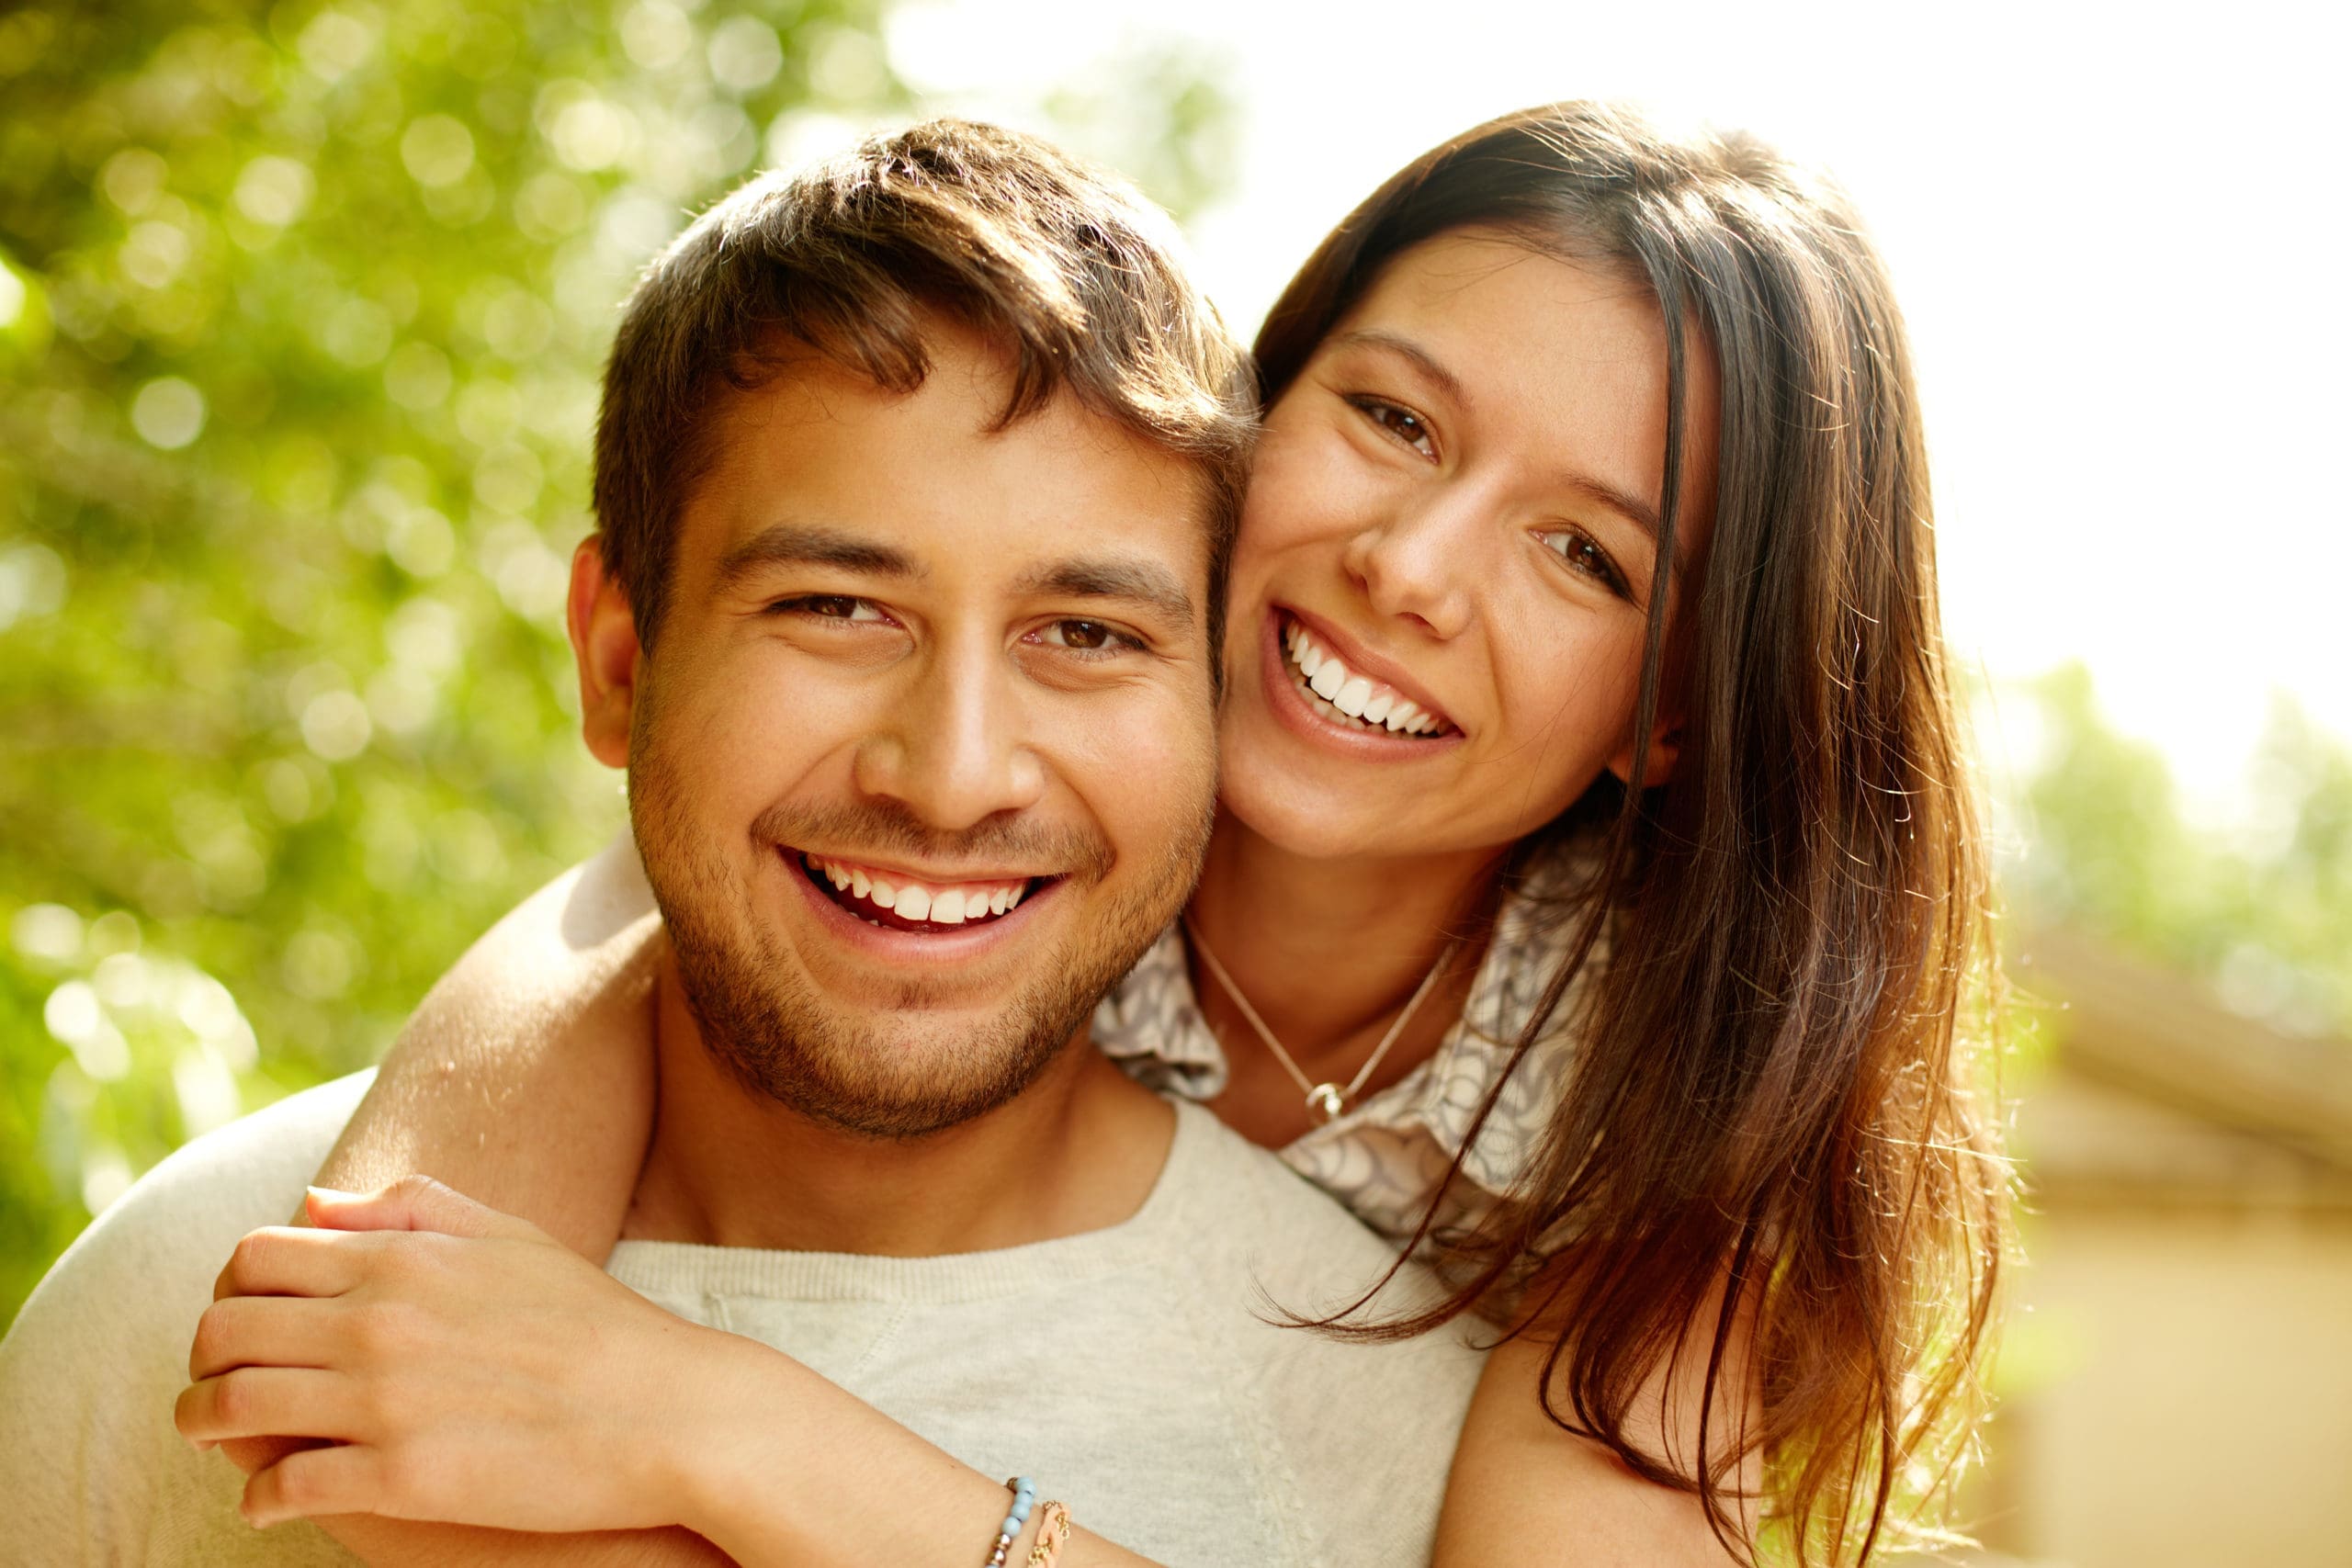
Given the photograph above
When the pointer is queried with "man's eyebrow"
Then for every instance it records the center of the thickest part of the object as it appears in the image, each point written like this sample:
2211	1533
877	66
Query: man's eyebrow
806	543
1137	581
1404	347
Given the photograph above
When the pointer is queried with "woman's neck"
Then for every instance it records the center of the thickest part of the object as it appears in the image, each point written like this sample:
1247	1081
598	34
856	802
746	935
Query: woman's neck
1328	952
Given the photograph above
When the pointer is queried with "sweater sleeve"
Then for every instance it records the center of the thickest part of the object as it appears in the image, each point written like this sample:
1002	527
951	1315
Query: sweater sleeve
93	1469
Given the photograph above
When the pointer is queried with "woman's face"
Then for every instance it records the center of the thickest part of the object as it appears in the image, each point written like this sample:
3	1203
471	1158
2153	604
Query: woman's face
1448	554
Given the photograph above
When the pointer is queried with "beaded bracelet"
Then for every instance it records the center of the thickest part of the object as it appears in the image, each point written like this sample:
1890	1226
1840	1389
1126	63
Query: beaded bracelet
1024	1497
1053	1533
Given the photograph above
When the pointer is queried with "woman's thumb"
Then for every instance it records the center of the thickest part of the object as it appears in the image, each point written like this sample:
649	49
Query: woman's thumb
412	1203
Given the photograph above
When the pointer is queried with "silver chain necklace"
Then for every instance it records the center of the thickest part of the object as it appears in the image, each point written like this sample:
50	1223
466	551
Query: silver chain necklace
1326	1102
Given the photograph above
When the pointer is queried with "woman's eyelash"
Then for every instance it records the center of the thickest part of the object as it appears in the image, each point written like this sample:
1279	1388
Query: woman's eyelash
1583	553
1401	423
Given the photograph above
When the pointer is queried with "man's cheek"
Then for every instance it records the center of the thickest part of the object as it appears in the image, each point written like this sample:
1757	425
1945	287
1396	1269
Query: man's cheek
1154	779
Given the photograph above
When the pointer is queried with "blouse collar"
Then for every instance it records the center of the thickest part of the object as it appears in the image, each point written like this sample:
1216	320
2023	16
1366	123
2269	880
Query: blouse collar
1151	1025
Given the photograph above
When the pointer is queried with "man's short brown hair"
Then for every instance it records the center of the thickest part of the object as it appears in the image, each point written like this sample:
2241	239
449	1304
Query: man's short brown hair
1070	270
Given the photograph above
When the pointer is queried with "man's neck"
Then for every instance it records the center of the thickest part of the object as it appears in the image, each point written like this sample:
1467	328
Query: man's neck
1079	1150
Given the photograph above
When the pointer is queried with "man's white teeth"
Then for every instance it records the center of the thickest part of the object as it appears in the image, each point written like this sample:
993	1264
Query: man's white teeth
951	905
1358	697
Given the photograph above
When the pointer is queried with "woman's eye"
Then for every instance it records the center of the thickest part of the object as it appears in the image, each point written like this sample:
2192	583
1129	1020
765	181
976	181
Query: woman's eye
830	607
1085	637
1580	551
1401	423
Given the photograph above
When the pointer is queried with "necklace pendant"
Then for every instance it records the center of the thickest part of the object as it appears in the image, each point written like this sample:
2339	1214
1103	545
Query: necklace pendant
1325	1102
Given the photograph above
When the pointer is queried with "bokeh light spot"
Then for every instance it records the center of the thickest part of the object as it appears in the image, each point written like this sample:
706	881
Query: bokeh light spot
273	190
49	933
32	583
336	725
168	412
656	34
744	54
437	149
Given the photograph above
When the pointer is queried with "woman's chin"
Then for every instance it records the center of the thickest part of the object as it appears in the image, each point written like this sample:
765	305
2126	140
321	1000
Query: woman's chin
1305	816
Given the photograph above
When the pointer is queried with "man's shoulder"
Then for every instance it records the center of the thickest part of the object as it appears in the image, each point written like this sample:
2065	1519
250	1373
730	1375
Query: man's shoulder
89	1368
1291	1236
1353	1434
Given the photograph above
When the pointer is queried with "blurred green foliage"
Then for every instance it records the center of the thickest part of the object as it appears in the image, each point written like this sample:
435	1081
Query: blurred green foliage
301	313
300	316
2259	906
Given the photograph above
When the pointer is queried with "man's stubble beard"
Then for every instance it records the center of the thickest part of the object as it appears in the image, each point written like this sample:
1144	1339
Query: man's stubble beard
763	1021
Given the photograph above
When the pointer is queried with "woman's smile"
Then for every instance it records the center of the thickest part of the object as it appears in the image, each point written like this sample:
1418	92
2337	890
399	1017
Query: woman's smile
1434	562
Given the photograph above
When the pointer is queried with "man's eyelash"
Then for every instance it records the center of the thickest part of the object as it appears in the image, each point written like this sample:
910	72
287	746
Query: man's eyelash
808	605
1116	642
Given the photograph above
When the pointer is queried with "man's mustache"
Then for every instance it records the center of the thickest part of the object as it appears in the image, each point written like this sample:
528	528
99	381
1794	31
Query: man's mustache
885	826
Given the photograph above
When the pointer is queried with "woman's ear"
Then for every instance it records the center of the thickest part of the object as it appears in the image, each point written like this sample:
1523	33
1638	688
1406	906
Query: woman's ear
1657	757
605	646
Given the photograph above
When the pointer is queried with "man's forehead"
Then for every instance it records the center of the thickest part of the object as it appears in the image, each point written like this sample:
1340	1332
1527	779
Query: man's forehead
818	465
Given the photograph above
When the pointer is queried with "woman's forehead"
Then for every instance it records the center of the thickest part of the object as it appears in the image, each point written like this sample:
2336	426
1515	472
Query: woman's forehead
1559	361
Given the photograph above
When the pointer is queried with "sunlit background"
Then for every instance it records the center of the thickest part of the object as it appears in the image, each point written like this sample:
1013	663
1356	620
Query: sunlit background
300	314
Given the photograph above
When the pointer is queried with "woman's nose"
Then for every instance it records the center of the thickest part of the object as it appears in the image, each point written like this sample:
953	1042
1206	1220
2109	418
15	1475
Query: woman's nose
1420	560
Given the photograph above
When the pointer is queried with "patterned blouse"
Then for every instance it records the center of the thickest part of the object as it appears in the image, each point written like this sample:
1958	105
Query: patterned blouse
1389	1151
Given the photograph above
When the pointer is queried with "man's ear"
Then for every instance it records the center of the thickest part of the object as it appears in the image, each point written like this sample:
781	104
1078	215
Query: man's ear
605	645
1664	747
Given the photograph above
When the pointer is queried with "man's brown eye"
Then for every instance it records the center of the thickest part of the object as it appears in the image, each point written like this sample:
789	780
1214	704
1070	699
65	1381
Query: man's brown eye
1085	634
834	606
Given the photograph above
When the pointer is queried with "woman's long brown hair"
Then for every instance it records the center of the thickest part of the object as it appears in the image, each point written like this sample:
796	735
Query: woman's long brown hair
1772	1110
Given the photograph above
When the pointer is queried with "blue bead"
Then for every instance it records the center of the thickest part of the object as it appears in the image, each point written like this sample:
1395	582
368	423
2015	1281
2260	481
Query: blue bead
1012	1527
1021	1504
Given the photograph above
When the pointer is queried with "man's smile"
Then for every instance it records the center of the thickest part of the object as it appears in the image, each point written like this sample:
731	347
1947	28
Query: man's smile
898	901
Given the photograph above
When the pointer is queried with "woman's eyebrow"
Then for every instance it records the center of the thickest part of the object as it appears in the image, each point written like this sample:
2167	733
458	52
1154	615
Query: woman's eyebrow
1406	348
1633	508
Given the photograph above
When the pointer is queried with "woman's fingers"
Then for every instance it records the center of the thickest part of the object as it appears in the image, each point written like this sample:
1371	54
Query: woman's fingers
286	1260
313	1484
269	1331
415	1203
265	1402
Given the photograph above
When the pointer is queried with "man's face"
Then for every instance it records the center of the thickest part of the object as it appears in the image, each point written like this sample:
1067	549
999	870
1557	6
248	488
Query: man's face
923	758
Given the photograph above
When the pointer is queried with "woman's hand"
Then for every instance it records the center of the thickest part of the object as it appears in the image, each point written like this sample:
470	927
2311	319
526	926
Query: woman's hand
466	1366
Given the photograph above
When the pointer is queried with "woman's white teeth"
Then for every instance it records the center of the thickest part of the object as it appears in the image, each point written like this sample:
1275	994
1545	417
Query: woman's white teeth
1358	697
942	906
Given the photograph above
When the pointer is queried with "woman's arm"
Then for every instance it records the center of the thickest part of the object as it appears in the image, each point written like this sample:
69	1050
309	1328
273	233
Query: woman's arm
436	1342
1522	1490
526	1079
437	1345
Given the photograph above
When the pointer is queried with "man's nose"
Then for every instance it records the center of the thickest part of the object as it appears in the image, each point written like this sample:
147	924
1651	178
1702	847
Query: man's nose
1419	560
954	747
